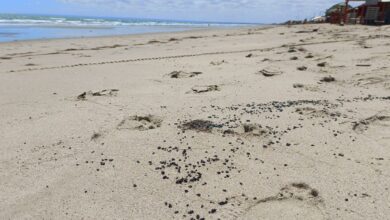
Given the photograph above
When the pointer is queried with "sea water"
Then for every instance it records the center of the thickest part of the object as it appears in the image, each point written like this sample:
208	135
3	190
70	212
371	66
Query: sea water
30	27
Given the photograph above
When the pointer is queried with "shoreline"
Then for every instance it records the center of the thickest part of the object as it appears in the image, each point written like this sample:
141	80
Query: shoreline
138	35
167	29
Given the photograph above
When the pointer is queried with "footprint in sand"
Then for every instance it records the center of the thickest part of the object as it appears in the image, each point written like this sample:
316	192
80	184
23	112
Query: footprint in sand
302	68
311	88
322	64
317	113
328	79
294	201
383	80
255	130
376	126
298	85
270	71
203	89
284	209
249	130
182	74
140	123
200	125
379	120
217	63
243	130
105	92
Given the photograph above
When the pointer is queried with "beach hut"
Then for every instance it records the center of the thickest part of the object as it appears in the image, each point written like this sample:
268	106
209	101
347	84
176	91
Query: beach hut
335	14
371	12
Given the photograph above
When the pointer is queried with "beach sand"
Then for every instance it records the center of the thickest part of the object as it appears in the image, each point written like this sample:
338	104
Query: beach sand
249	123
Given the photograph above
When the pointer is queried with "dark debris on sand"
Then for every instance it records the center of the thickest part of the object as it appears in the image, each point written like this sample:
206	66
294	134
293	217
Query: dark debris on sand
189	167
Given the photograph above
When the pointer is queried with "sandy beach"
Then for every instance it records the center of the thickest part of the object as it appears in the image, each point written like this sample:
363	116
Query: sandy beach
283	122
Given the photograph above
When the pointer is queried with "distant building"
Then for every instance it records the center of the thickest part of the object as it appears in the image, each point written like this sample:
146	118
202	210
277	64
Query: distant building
373	12
335	14
370	12
318	19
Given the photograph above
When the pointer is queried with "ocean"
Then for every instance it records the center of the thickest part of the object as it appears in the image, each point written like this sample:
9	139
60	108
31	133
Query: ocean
33	27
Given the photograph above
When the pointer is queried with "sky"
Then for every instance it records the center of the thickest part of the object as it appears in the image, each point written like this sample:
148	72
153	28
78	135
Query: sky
251	11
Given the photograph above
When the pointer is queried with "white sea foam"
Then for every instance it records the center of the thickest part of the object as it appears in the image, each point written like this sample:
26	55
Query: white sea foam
74	21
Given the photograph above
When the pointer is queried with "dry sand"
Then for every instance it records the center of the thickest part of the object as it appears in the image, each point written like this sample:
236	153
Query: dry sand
259	123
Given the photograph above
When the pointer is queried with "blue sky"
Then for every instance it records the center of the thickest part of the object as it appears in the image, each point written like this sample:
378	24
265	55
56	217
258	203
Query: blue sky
257	11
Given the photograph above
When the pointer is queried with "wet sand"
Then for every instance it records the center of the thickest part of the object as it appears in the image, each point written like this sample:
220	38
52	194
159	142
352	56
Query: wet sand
252	123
